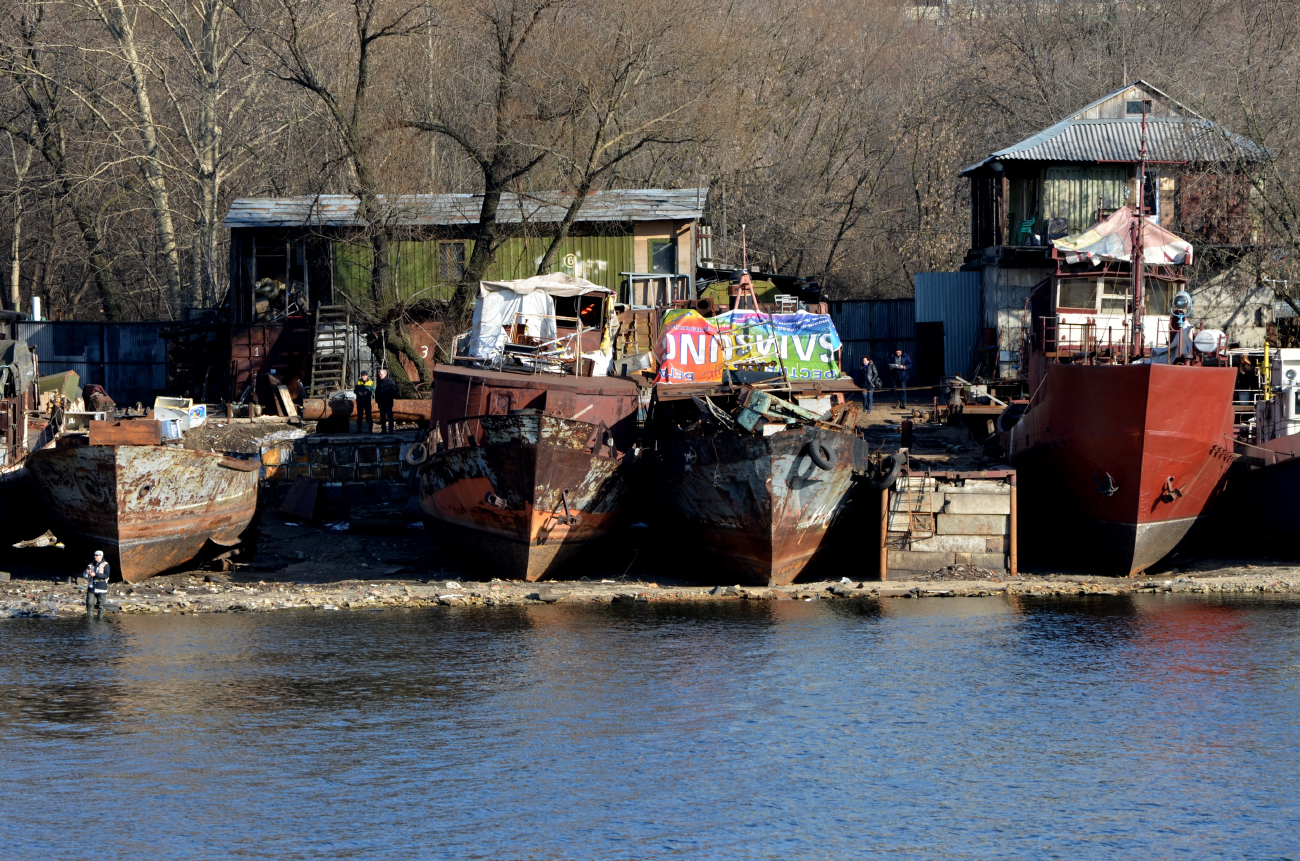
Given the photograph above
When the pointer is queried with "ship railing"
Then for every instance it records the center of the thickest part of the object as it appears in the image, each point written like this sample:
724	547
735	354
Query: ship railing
1090	343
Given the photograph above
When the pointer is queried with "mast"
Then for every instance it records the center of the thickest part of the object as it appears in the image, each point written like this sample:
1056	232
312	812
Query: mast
1139	256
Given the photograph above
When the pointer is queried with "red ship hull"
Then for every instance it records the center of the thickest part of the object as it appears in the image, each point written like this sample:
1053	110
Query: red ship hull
1117	463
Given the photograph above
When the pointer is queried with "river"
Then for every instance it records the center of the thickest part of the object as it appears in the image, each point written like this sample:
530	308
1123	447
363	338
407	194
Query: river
1106	727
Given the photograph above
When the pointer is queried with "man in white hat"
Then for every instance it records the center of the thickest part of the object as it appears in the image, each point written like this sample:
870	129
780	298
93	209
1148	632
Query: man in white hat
96	584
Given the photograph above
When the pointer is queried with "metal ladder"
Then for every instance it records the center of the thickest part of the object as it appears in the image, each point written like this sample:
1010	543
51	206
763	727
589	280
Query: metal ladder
917	501
329	363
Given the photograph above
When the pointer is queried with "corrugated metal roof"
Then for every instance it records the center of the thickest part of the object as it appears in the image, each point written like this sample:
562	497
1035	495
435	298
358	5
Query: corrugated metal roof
1168	139
1188	137
956	300
340	210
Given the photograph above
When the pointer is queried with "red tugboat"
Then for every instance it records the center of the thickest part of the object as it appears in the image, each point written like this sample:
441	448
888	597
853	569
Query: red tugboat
1129	419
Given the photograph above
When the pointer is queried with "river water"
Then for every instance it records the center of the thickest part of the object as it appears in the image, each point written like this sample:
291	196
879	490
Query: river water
1107	727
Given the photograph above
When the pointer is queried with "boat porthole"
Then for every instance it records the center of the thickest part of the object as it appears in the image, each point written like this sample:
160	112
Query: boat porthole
144	491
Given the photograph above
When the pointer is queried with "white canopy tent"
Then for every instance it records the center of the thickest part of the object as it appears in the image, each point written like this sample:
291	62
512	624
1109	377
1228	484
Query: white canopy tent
532	299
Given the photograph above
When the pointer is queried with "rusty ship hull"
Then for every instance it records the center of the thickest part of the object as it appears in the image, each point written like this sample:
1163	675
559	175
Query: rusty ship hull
759	505
150	508
20	518
1119	463
530	495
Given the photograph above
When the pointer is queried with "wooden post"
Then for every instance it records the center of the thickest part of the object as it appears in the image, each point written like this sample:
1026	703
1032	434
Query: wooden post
1014	562
884	534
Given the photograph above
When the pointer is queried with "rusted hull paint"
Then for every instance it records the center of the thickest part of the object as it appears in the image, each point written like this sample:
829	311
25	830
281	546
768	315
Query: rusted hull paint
149	508
758	505
502	503
1099	447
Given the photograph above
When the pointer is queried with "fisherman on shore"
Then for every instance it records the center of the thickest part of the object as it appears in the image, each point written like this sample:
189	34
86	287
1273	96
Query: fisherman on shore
96	584
365	392
385	394
870	381
901	367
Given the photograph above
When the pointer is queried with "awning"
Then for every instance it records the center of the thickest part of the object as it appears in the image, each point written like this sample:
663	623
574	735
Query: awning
1112	240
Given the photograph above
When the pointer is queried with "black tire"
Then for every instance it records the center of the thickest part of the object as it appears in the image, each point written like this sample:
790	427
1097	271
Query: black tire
417	454
886	473
821	456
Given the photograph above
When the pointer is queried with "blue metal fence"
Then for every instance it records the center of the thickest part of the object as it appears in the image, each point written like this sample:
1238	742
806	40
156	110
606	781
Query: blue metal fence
954	299
128	359
874	327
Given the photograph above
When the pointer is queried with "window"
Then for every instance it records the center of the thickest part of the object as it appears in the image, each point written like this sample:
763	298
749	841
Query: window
451	262
1133	107
1157	296
1114	296
1077	294
663	256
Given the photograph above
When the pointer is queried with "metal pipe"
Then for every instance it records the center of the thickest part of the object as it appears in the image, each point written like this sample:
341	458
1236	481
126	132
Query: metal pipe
405	410
884	534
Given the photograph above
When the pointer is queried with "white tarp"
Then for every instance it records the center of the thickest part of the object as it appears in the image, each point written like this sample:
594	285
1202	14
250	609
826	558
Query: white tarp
532	298
1112	239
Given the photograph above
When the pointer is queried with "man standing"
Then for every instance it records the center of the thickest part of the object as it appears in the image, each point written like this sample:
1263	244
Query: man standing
901	366
96	584
385	394
870	381
364	390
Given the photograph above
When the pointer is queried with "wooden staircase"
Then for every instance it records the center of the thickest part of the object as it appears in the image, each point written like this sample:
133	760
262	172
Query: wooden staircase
329	362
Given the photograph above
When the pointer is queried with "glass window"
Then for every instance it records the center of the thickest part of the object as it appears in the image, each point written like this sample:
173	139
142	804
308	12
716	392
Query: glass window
1114	296
1157	296
663	257
451	262
1079	294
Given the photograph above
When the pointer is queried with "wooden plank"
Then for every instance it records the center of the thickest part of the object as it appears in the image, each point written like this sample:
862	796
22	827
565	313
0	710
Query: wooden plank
130	432
286	402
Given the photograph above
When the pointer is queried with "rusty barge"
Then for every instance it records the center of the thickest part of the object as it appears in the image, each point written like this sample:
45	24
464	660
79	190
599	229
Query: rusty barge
529	454
764	487
149	506
21	432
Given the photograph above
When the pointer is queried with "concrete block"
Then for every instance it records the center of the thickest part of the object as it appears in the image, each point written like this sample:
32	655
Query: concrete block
991	561
392	470
322	471
354	491
996	545
389	453
345	472
978	503
367	471
272	473
271	457
952	544
301	456
980	487
367	454
915	560
899	522
962	558
971	524
319	454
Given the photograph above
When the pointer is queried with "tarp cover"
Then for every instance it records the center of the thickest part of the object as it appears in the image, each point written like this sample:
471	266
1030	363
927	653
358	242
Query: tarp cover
534	298
1112	239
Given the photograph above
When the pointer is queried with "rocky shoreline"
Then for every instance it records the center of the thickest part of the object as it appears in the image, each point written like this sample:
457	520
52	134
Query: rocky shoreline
182	594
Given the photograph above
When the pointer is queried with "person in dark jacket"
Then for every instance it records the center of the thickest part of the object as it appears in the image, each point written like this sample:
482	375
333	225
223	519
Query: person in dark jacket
869	380
365	392
385	394
901	368
96	584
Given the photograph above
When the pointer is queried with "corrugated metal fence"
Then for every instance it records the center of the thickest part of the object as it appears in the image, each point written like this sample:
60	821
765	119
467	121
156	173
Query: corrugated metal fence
954	299
128	359
874	327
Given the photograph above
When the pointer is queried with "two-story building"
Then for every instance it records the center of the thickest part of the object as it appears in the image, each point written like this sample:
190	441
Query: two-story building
1065	178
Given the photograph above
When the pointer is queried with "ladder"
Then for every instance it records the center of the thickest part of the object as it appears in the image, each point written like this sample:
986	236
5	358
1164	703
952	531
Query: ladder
915	500
329	362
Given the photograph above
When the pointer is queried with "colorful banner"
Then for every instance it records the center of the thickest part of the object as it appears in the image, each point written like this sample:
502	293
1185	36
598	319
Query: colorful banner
695	350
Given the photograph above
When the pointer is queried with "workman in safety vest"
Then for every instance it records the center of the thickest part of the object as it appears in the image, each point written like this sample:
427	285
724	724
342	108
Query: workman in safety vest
365	392
96	584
